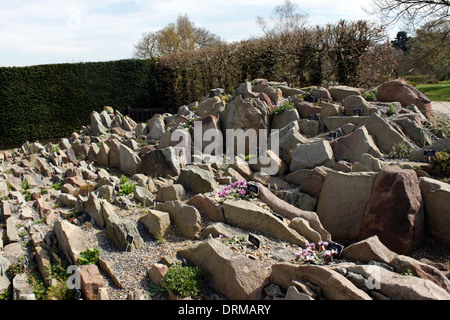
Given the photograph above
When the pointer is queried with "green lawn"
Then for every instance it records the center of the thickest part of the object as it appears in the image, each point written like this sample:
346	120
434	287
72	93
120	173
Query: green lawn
436	92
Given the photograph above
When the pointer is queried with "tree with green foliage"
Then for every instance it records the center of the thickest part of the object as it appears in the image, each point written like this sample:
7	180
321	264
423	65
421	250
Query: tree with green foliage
182	36
429	51
401	41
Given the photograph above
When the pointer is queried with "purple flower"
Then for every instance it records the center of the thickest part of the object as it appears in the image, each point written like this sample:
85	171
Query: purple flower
242	192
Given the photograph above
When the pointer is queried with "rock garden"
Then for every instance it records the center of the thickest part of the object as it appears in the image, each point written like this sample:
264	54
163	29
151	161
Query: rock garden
357	208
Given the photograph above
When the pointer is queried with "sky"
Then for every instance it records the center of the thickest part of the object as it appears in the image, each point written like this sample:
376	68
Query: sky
34	32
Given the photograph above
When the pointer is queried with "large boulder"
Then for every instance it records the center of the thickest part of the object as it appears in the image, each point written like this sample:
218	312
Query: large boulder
186	218
235	276
289	211
279	121
343	201
4	281
97	126
288	138
384	133
123	232
334	122
249	216
399	287
311	155
358	102
250	113
114	153
129	160
210	106
207	206
312	182
161	163
394	211
156	127
436	196
157	222
334	285
339	93
399	90
367	250
70	239
22	289
197	179
351	147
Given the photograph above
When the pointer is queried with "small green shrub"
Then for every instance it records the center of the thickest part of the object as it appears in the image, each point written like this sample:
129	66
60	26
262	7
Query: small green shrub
37	284
184	281
286	105
391	110
25	186
14	269
56	148
439	123
57	186
400	151
441	162
126	188
89	256
6	295
370	96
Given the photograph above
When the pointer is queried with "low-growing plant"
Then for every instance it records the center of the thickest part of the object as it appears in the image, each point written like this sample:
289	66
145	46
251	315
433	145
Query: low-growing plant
439	123
441	161
25	186
391	110
184	281
316	255
56	148
155	289
126	188
27	195
408	273
285	105
159	238
37	284
229	241
89	256
5	295
57	186
22	233
370	96
400	151
14	269
236	190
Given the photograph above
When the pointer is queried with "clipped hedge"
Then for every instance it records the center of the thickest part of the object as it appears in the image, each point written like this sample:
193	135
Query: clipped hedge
49	101
52	101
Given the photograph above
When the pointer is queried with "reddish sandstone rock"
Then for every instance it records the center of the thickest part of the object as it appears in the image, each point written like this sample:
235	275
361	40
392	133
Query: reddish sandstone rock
394	211
305	108
399	90
75	181
91	281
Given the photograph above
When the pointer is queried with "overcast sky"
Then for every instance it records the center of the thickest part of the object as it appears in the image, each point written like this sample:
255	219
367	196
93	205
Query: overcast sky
53	31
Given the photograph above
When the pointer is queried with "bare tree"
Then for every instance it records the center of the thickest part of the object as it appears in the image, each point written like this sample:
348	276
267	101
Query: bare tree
412	12
287	19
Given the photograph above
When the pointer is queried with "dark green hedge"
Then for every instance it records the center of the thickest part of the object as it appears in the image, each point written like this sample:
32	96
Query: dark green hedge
50	101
